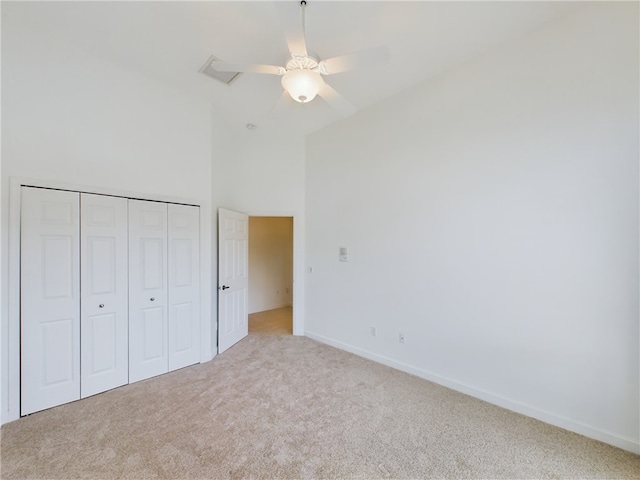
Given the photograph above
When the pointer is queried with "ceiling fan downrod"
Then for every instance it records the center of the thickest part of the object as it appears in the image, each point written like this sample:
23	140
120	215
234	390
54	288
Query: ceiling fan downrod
303	4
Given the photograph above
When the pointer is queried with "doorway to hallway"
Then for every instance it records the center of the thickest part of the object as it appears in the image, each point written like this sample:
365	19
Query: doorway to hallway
270	295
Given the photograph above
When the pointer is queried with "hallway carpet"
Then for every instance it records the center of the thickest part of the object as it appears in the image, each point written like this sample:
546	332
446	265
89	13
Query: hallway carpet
278	321
285	407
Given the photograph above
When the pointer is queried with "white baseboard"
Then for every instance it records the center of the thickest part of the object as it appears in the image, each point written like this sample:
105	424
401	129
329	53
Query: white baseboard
547	417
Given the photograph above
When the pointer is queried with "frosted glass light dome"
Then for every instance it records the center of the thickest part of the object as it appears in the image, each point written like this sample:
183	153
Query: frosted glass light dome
302	84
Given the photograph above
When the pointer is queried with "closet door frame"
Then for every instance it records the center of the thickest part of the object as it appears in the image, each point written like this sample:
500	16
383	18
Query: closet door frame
10	334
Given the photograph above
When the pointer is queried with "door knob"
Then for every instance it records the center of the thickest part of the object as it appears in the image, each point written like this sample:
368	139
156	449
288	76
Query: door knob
224	287
152	299
101	305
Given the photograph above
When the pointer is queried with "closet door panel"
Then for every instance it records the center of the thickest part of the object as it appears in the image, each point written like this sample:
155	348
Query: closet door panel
104	273
50	298
184	286
148	327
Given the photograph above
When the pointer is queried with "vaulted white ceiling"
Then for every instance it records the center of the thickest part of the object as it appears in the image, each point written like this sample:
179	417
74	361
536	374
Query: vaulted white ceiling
172	40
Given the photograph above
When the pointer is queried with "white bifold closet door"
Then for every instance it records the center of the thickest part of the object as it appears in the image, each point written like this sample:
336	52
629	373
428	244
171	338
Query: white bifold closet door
110	293
104	303
50	298
148	327
184	285
74	297
164	288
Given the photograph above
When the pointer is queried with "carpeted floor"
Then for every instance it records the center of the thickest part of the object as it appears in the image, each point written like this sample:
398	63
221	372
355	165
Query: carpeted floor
276	406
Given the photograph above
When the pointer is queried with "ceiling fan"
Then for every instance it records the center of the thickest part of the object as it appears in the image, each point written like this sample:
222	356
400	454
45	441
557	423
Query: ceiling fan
302	75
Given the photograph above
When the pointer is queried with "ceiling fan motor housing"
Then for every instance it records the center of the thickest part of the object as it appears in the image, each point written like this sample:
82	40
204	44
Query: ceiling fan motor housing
299	62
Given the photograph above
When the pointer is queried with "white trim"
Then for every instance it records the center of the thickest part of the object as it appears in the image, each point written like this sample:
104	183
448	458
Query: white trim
298	265
3	324
557	420
638	318
11	326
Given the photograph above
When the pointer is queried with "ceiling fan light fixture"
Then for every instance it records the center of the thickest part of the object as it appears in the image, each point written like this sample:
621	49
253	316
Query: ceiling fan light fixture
303	85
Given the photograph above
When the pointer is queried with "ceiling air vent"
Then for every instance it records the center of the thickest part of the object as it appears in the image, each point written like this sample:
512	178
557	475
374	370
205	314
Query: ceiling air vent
224	77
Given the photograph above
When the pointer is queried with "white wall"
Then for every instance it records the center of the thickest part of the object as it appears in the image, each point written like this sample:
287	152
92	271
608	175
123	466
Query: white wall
73	119
492	217
265	172
223	149
270	263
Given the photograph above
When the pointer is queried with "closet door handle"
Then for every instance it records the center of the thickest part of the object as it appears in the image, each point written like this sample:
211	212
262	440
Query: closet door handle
152	299
101	305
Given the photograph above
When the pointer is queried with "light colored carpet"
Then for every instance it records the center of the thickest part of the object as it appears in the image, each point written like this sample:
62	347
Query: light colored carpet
276	406
273	322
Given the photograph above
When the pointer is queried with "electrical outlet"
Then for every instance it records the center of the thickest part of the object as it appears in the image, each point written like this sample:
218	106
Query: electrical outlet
401	337
374	332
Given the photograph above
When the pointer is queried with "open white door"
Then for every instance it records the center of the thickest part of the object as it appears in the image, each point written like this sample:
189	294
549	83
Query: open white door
233	252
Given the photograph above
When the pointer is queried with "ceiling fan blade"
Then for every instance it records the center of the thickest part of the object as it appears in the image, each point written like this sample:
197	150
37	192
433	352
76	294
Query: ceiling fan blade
337	101
292	21
248	68
280	105
361	59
